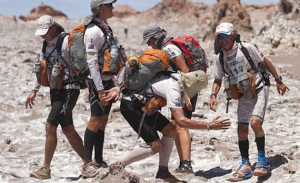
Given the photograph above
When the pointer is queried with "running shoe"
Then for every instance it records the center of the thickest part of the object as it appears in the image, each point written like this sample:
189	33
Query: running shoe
242	173
89	170
185	167
42	173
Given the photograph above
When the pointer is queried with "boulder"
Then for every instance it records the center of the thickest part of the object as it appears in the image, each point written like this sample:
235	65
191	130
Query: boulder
42	9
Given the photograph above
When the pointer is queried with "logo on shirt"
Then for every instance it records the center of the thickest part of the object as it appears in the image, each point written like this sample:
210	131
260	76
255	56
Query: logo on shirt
178	103
172	54
91	46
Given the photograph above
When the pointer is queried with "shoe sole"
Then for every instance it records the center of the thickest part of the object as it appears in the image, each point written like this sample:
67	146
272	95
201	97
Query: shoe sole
39	177
258	174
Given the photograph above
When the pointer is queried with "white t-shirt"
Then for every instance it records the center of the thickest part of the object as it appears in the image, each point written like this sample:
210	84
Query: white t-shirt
255	54
168	88
94	41
172	50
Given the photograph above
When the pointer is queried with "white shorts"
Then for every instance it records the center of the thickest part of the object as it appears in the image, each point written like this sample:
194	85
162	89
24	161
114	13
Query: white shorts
254	108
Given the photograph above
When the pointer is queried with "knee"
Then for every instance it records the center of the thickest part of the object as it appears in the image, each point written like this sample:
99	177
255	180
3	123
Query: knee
95	120
156	146
256	124
50	129
242	131
181	130
169	131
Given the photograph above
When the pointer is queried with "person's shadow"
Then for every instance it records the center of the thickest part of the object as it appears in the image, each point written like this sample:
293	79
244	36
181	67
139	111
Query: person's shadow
275	162
212	173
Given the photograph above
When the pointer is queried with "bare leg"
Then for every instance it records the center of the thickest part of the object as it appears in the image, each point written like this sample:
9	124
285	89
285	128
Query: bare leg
74	140
50	144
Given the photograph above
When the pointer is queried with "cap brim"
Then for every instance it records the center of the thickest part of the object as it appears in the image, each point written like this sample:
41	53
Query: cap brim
223	32
109	1
41	32
145	41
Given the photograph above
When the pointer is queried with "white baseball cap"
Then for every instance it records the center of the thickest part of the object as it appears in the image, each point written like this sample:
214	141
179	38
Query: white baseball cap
225	28
43	25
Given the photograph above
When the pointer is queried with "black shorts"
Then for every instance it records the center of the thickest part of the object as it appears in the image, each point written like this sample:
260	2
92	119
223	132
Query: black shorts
151	124
96	108
187	113
62	104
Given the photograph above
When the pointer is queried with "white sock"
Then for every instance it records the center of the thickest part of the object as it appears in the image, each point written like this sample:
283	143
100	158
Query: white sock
138	153
165	153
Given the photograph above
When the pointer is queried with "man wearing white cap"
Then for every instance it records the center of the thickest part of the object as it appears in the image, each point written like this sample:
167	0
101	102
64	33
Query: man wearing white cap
236	62
55	52
96	41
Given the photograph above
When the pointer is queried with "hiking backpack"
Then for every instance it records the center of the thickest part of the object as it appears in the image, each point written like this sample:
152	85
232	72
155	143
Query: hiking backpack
148	65
193	53
78	52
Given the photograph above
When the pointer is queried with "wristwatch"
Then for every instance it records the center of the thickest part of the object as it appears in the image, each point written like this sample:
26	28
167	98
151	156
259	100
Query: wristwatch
278	80
213	95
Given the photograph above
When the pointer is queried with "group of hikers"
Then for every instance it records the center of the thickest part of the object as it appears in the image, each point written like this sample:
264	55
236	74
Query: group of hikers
240	65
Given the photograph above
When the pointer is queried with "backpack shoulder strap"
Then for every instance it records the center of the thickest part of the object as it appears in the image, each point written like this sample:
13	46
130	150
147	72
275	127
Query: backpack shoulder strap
247	55
221	55
59	42
98	24
44	47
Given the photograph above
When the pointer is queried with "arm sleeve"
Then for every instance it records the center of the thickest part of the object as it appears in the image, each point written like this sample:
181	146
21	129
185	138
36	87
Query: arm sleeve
256	55
36	84
218	70
94	41
94	71
172	50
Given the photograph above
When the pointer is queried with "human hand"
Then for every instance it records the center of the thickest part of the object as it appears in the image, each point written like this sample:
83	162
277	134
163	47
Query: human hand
213	103
281	88
187	101
101	95
112	95
29	100
219	124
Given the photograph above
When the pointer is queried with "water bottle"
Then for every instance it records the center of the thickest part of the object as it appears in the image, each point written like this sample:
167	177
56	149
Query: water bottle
114	53
247	89
227	90
54	83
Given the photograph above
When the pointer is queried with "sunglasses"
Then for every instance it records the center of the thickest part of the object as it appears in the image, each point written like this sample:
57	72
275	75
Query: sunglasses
222	36
110	5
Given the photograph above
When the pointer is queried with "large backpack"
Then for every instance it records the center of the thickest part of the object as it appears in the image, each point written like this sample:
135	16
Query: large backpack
193	53
78	52
149	64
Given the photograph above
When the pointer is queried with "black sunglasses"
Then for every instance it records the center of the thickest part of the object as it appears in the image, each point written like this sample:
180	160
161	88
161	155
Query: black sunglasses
110	5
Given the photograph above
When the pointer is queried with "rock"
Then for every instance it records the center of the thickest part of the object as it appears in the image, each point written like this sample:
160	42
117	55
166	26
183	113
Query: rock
42	9
122	11
231	11
275	41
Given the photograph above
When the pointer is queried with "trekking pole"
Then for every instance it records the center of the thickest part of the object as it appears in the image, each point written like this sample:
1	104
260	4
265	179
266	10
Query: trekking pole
227	105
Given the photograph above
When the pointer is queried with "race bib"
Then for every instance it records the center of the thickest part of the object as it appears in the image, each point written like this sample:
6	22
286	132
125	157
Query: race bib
238	70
